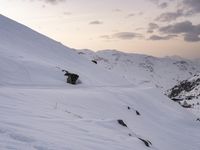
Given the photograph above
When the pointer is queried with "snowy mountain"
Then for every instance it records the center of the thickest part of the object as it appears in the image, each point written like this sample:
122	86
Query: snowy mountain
29	58
187	93
40	111
163	73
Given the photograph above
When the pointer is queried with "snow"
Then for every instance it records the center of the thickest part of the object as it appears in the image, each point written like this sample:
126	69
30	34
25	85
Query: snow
191	95
85	118
40	111
162	73
35	59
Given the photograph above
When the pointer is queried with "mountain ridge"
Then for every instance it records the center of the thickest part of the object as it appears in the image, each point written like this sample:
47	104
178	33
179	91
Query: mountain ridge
163	72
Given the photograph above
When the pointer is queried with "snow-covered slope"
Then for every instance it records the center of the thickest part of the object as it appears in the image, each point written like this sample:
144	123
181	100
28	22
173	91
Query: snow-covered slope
86	119
39	111
163	73
27	57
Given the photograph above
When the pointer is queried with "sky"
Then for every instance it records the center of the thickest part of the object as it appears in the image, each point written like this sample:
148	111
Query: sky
154	27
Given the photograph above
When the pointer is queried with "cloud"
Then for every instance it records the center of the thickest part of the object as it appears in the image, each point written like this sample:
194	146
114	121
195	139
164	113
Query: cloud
154	1
187	9
192	37
54	1
96	22
163	5
117	10
181	27
140	13
157	37
126	35
67	13
130	15
152	27
193	6
170	16
51	1
122	36
190	32
107	37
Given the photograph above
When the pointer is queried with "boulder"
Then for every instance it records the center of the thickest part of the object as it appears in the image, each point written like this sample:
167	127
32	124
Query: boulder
146	142
121	122
94	61
71	77
137	113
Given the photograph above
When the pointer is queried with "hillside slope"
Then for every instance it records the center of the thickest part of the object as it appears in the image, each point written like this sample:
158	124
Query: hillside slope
40	111
29	58
162	73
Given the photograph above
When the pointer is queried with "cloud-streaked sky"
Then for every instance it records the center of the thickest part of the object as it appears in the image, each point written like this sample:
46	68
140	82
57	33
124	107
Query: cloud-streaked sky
155	27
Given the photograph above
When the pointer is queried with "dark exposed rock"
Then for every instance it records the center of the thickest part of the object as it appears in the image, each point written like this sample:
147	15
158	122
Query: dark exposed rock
71	77
137	113
129	134
198	119
177	99
146	142
185	90
128	108
189	97
94	61
121	122
81	53
182	65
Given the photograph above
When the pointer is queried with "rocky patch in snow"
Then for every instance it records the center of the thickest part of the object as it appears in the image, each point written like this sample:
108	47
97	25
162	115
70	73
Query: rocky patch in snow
187	92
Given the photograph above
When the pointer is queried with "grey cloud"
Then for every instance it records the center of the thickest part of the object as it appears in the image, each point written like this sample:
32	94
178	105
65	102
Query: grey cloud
193	6
51	1
157	37
130	15
54	1
163	5
170	16
192	37
154	1
96	22
67	13
140	13
122	35
182	27
107	37
190	32
127	35
117	10
152	27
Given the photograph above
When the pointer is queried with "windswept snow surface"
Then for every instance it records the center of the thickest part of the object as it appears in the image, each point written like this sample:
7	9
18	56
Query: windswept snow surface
86	119
39	111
